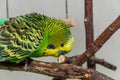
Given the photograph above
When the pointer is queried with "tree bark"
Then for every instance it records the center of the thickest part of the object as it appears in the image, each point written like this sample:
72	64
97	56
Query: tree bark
63	71
88	21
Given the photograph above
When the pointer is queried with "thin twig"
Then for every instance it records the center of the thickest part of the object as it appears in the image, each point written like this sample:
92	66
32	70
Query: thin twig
104	63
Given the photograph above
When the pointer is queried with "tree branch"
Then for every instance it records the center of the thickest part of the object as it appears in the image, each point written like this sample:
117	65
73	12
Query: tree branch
64	59
88	21
56	70
99	42
104	63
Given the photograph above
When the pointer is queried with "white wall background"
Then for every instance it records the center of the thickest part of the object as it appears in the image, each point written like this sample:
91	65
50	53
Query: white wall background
105	12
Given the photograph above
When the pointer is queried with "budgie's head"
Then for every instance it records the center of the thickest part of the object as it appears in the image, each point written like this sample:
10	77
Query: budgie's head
57	39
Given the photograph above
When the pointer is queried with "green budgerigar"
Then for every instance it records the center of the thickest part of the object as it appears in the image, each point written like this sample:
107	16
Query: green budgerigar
33	35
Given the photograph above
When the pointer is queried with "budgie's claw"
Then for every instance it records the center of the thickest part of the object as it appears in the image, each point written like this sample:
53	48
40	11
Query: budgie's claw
26	64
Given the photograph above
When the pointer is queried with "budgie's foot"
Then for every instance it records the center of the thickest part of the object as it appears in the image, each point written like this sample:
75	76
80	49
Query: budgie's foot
26	64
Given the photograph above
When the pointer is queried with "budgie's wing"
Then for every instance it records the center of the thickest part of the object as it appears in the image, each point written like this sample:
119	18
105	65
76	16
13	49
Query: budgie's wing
18	39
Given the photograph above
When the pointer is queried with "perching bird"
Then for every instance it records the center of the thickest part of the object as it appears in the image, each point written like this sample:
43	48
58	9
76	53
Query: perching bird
33	35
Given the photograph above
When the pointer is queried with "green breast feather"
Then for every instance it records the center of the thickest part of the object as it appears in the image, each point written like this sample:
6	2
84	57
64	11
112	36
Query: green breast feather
31	35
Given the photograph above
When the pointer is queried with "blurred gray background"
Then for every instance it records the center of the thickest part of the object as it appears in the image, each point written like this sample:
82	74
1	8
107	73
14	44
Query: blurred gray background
105	12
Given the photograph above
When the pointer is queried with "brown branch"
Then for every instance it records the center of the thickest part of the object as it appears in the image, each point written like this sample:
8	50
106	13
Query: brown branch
64	59
99	42
56	70
88	21
104	63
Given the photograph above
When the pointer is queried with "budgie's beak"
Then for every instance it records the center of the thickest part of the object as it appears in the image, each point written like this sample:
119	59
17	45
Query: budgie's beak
62	52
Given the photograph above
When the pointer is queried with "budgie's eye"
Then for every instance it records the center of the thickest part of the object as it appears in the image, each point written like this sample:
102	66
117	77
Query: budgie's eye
51	46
